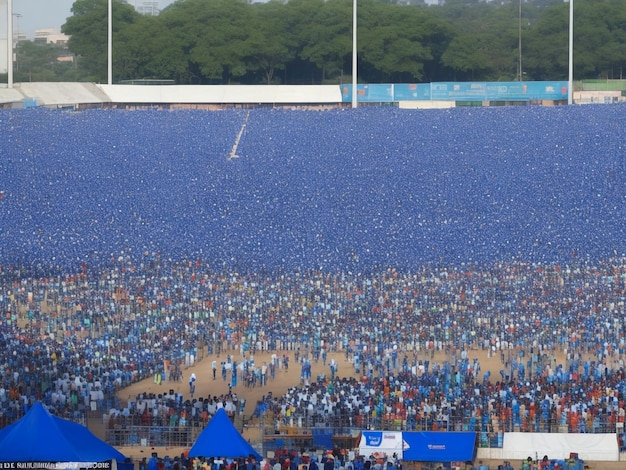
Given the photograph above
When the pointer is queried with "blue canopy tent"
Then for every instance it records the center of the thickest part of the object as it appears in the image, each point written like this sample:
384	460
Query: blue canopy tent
42	437
220	438
439	446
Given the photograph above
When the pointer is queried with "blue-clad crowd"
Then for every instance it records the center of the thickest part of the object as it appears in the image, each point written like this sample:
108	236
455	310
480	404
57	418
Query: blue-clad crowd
339	190
381	233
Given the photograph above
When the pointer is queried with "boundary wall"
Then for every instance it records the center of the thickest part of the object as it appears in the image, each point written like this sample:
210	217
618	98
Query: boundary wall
405	95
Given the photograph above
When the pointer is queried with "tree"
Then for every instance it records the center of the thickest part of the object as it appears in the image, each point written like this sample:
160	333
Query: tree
599	41
326	38
88	31
599	38
150	48
546	45
485	44
310	41
467	56
397	41
274	44
38	62
217	34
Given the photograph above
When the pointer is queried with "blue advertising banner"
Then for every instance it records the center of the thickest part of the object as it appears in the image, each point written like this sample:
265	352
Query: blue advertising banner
525	91
322	438
376	93
411	91
498	91
457	91
439	446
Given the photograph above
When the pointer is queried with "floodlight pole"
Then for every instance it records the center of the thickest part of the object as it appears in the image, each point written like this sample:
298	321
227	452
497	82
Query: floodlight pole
110	44
354	65
519	40
9	43
570	83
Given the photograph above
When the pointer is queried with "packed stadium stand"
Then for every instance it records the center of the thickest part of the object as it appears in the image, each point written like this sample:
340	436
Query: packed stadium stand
509	213
338	189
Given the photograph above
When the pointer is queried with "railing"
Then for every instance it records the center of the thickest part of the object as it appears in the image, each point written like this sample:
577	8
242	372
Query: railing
132	431
599	424
153	436
277	433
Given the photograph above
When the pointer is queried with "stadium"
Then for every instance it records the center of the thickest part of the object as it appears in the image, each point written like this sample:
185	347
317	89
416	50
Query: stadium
415	246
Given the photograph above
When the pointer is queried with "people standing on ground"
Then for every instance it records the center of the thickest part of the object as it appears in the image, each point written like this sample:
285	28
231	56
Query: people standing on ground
192	384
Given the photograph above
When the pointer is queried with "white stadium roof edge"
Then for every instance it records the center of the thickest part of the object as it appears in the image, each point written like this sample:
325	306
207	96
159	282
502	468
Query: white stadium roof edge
62	94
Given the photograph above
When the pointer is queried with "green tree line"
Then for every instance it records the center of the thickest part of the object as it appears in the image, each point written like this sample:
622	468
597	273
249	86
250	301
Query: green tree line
310	42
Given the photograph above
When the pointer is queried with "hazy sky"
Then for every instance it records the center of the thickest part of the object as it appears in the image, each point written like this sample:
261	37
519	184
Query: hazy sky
37	14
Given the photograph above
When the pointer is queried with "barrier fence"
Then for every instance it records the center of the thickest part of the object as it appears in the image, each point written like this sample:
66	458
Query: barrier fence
153	436
274	434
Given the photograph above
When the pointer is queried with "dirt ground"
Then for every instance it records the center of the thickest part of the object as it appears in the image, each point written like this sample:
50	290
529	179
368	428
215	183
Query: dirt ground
205	385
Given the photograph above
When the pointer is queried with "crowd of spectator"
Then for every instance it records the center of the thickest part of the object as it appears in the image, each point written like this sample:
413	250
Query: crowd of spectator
452	397
282	460
387	325
334	191
125	254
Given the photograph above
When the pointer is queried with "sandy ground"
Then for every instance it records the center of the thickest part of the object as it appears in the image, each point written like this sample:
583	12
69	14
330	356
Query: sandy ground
205	386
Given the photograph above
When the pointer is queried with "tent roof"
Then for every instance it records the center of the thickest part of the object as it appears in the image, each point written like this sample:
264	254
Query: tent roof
220	438
42	437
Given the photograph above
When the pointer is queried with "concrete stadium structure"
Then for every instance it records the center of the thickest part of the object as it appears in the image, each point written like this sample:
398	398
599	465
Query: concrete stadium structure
90	95
76	95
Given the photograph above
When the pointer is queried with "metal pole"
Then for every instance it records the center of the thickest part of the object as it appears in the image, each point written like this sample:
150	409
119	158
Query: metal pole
354	65
110	44
9	43
519	45
16	63
570	84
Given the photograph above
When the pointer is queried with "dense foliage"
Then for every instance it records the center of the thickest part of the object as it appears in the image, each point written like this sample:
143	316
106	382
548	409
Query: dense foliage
310	41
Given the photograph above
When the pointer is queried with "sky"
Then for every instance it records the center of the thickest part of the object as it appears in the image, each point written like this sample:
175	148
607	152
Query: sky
31	15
